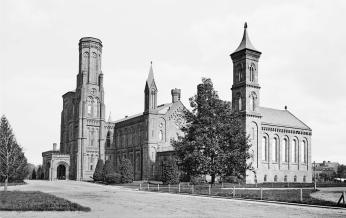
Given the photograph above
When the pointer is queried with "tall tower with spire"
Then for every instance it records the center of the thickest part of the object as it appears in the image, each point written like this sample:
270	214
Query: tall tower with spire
246	92
150	92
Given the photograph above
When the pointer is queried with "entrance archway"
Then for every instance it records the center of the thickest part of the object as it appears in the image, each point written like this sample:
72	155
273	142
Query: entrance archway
61	172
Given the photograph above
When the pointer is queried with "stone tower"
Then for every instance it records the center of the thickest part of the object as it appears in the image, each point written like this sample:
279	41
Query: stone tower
245	92
82	136
150	92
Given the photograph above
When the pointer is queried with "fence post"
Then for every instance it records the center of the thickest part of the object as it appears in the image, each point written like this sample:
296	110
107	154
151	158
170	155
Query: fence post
148	186
169	188
233	191
209	190
222	185
301	195
140	186
261	193
179	187
158	187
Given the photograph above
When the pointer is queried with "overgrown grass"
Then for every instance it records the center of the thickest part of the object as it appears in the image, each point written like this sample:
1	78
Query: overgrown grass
12	184
36	201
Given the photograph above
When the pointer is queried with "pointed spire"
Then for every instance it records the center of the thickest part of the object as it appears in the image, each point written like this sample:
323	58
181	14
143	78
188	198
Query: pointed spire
109	117
245	42
150	78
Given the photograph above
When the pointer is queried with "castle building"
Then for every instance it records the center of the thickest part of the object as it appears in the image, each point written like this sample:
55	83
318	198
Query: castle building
86	136
281	143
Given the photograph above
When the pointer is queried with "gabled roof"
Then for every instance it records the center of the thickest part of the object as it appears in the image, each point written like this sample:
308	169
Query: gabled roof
245	42
281	118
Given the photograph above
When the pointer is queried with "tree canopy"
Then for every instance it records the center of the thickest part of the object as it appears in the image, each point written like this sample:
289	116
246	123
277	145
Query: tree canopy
214	141
13	163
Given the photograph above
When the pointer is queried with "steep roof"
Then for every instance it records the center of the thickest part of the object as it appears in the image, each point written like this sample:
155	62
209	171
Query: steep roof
281	118
150	79
245	42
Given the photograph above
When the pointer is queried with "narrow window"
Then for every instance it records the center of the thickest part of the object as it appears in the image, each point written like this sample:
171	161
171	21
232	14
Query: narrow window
295	178
285	178
160	135
303	155
264	149
275	150
265	178
293	149
239	103
284	150
108	140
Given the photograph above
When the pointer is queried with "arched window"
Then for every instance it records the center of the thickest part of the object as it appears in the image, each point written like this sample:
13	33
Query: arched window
252	70
108	140
294	151
284	150
265	178
304	178
285	178
89	106
85	61
264	149
96	107
160	135
239	103
275	178
303	151
295	179
275	150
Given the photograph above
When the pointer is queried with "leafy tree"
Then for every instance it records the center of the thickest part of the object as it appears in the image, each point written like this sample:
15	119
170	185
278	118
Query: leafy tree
98	173
33	174
170	172
13	163
113	178
108	168
39	174
126	171
341	172
214	141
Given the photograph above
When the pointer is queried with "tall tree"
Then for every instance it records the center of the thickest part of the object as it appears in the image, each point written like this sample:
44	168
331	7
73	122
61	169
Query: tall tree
214	141
98	173
33	174
13	163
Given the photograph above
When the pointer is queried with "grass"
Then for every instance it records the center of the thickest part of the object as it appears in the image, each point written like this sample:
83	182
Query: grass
36	201
282	195
12	183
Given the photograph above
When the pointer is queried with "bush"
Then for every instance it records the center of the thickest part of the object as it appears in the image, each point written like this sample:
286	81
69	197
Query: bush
126	171
197	180
231	179
108	169
170	173
113	178
98	173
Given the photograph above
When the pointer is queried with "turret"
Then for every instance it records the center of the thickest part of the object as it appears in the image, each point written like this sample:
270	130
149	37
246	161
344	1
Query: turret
175	95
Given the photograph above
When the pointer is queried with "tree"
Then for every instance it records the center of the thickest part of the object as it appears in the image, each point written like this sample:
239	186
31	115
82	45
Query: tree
33	174
39	174
126	171
13	163
98	173
341	171
214	141
170	172
107	168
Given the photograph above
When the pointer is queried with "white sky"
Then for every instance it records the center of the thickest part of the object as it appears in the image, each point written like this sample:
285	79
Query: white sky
302	64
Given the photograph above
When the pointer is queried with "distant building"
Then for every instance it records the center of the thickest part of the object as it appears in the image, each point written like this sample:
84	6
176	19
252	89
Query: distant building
326	170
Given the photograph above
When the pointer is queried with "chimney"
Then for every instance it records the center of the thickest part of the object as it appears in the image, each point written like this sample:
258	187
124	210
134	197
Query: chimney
54	146
175	95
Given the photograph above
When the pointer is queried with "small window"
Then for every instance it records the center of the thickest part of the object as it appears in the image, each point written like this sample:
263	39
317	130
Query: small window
91	167
160	135
265	178
304	179
275	178
285	178
295	178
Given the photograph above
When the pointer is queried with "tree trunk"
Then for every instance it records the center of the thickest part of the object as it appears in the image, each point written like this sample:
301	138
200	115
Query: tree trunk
212	179
6	181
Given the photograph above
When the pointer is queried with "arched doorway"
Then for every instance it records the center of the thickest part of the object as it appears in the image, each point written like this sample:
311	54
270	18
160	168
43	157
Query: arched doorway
61	172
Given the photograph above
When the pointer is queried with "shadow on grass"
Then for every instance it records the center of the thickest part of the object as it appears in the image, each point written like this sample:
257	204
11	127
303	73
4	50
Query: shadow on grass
36	201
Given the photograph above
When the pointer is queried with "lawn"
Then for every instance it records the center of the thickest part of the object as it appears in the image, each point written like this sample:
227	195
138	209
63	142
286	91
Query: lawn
36	201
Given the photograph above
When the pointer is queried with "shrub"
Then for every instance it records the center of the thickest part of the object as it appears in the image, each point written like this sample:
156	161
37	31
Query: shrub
170	172
98	173
113	178
126	171
107	169
197	180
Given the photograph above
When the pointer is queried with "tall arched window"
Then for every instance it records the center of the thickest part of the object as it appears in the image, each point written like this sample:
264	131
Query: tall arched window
85	61
284	150
96	107
239	103
294	151
285	178
275	178
275	150
108	140
252	70
264	149
89	106
303	151
265	178
160	135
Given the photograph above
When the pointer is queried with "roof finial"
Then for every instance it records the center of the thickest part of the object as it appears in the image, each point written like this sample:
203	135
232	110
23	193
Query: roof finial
245	25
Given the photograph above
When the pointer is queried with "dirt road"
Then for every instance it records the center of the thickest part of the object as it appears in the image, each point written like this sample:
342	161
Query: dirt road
112	201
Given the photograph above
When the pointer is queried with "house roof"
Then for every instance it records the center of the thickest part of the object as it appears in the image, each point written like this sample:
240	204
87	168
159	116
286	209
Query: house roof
281	118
